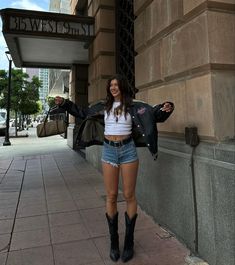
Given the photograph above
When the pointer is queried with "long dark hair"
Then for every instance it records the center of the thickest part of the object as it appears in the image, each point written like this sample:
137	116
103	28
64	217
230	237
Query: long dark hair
126	95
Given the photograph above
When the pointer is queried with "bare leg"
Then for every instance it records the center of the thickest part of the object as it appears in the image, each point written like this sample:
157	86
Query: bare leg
129	175
111	177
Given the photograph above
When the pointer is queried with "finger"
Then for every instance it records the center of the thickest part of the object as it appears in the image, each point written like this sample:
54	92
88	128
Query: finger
167	105
168	109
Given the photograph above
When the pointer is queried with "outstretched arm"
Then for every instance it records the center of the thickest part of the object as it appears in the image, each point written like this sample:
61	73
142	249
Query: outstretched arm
162	111
72	108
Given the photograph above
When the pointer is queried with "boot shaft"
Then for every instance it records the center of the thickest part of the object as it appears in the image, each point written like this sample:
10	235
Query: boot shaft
130	228
130	223
128	250
113	224
114	238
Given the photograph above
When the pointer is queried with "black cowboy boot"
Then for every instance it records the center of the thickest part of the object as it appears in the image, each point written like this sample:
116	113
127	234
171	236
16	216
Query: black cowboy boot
113	230
128	251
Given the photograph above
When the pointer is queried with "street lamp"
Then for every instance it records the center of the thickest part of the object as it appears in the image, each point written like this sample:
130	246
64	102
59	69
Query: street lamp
7	141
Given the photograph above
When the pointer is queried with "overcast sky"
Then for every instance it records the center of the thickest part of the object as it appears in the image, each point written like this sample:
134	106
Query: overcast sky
42	5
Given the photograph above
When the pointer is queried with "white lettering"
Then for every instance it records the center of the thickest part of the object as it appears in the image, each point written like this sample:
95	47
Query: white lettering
35	24
31	24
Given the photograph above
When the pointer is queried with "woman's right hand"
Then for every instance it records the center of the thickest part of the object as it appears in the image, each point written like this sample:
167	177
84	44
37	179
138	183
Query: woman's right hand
59	100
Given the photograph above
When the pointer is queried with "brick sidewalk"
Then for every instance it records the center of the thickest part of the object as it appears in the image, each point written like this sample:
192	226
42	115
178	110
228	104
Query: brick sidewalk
52	205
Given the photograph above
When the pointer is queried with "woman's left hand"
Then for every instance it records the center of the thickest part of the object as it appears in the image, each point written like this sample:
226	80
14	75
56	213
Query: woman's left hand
167	107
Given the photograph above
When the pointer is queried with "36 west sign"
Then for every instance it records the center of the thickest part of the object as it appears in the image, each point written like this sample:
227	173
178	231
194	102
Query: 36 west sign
25	22
50	26
47	39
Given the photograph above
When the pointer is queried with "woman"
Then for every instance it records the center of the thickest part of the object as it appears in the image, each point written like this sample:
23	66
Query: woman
127	124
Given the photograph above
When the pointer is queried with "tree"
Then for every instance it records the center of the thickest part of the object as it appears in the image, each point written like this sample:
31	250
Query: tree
24	93
18	81
29	97
3	82
50	101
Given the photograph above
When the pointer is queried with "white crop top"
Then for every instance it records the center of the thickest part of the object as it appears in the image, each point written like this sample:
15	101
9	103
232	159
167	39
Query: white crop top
117	125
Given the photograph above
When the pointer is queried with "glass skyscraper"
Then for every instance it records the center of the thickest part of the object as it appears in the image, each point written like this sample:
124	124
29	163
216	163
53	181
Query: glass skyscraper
60	6
43	91
59	79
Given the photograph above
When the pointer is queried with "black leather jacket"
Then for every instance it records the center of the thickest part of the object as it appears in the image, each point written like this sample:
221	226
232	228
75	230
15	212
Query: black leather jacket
144	119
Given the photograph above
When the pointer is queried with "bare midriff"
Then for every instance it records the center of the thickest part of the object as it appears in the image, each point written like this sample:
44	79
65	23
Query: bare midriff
116	138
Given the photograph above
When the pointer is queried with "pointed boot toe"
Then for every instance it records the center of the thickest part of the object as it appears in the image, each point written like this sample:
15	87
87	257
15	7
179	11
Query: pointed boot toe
114	255
127	255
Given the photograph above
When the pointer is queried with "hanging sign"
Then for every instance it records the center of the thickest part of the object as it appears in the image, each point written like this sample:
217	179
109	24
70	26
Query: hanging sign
39	25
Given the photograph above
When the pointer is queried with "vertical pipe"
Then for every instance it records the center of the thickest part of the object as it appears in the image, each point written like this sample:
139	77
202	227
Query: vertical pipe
7	141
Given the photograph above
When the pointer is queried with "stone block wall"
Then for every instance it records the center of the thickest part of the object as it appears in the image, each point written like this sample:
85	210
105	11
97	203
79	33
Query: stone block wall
186	48
102	51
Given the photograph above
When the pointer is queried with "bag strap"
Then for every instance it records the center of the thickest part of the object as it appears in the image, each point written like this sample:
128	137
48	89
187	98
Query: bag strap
45	121
51	109
56	118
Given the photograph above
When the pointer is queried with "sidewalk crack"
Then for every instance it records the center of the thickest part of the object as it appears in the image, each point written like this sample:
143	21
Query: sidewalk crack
5	248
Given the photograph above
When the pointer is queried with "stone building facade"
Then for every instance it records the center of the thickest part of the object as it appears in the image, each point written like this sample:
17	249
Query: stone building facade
185	53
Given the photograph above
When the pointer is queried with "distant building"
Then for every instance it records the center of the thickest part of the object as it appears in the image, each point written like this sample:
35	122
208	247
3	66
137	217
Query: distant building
42	74
32	72
59	79
43	91
60	6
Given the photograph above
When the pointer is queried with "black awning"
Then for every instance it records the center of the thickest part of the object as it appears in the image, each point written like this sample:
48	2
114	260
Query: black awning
46	39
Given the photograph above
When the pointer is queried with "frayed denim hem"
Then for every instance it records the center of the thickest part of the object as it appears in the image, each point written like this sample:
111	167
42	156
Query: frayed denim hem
111	163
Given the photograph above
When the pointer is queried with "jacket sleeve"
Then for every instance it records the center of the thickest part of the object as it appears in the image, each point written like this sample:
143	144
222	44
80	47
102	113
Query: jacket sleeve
159	115
75	110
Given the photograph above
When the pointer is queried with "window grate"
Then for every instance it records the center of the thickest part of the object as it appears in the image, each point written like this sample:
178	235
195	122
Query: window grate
125	54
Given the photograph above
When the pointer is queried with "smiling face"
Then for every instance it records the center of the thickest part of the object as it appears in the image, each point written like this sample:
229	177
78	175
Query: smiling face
114	90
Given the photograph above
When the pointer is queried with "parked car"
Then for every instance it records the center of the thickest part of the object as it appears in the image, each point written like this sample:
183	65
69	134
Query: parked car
2	126
3	113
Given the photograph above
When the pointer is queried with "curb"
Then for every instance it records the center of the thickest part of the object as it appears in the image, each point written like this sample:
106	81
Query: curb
192	260
19	136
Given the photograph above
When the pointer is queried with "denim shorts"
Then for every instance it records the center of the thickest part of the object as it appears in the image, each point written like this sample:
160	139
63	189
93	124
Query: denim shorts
119	155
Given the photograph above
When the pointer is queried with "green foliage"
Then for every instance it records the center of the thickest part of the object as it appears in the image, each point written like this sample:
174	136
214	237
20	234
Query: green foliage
39	107
3	82
24	94
50	101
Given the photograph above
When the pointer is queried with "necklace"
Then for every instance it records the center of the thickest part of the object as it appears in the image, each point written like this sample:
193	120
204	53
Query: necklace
117	113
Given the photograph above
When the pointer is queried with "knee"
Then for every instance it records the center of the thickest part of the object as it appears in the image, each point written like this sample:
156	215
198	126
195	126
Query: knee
112	197
129	196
